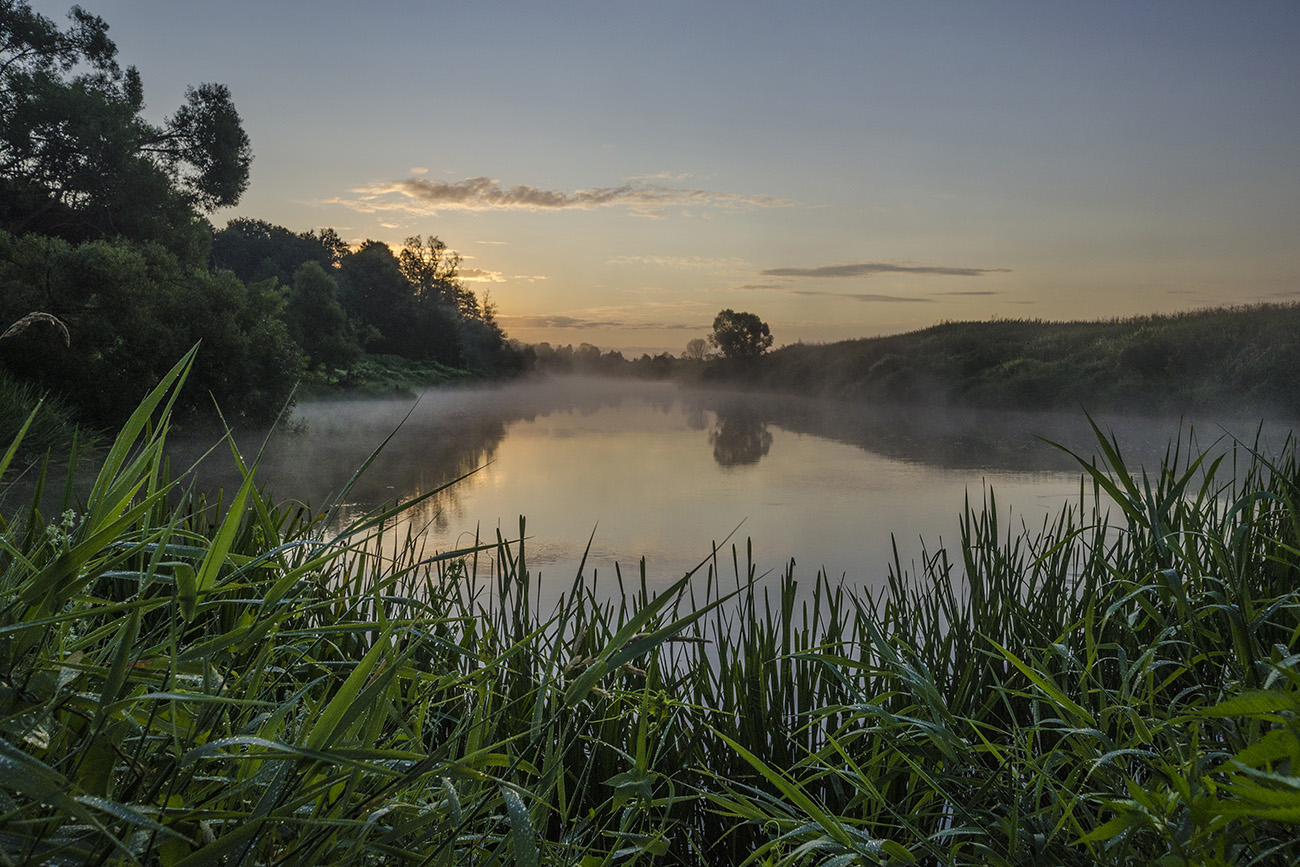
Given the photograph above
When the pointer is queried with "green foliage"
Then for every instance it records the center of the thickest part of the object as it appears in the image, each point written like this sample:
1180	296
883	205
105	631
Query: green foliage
131	311
391	316
78	161
53	429
1229	358
236	681
382	376
316	320
433	274
257	250
740	335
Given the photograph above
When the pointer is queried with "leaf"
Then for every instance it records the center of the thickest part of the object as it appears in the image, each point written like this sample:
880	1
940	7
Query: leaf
521	830
244	835
1258	702
324	729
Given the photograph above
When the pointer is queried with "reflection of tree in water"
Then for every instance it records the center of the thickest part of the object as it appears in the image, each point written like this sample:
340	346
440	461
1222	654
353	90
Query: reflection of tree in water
740	438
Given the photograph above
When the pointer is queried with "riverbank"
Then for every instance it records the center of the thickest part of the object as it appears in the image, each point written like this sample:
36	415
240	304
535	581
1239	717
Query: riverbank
1230	358
380	376
234	681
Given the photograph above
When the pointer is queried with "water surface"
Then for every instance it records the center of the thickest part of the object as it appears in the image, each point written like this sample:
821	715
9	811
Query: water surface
651	470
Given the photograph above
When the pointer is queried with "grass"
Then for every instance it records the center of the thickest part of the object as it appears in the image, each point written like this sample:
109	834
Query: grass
381	376
188	682
53	429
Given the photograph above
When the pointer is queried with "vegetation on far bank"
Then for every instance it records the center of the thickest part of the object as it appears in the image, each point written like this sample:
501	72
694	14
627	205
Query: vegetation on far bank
1239	358
104	233
186	682
1235	358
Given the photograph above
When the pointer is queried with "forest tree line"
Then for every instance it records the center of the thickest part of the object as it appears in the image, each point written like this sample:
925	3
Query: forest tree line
104	230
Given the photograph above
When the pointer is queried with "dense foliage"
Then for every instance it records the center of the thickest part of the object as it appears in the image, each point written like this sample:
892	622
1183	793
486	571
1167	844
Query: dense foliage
131	310
1234	357
252	684
346	301
103	233
77	159
740	335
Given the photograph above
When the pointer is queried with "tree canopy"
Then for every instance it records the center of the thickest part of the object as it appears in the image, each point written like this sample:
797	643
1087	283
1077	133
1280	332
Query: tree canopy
77	159
740	335
103	233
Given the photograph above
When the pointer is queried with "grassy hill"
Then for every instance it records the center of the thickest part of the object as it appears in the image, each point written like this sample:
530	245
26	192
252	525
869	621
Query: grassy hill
1231	357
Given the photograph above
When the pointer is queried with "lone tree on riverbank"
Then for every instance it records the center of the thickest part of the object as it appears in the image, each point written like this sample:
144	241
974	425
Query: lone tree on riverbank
740	335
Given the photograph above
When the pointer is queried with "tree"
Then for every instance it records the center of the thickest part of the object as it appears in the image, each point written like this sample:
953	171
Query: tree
378	294
697	349
740	335
316	320
132	310
257	250
433	272
78	161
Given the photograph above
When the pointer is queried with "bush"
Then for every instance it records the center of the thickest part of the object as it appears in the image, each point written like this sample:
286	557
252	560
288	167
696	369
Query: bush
131	310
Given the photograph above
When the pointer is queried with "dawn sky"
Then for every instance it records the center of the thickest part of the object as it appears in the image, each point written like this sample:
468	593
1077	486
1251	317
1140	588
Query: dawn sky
616	173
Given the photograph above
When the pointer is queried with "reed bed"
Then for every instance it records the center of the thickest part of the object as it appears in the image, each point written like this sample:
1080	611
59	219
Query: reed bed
190	682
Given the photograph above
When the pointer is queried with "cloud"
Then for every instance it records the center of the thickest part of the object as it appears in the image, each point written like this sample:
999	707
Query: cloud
584	324
482	275
864	296
678	261
675	177
478	275
423	196
870	269
972	292
780	286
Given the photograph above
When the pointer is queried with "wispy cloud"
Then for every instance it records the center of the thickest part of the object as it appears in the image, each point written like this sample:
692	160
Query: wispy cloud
590	324
679	262
479	275
482	275
423	196
870	269
971	292
781	286
864	296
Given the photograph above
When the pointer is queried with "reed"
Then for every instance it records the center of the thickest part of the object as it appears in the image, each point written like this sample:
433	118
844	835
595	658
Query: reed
186	681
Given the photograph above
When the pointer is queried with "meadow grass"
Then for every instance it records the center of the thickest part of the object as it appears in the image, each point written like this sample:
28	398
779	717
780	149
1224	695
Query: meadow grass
188	680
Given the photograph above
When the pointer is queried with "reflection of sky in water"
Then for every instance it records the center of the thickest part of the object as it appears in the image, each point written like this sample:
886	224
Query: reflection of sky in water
663	473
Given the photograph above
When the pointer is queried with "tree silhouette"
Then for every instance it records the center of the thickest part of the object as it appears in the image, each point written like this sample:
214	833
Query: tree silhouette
77	159
740	335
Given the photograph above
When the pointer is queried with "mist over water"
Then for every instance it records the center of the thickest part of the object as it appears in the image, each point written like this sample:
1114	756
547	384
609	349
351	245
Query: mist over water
657	471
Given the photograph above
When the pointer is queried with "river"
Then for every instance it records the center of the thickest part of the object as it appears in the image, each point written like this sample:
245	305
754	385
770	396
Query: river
652	470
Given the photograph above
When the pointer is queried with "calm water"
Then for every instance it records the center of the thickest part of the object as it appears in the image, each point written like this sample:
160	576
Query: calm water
663	473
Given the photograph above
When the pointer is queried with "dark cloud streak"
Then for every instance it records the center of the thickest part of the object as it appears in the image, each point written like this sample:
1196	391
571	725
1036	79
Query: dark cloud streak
869	269
863	296
577	324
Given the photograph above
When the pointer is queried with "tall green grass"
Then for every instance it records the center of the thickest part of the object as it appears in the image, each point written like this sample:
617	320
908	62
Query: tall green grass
186	681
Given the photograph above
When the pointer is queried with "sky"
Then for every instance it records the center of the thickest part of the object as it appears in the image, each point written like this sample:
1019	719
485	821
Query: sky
616	173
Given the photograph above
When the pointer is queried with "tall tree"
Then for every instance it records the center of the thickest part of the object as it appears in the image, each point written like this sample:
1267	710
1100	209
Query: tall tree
740	335
78	161
434	273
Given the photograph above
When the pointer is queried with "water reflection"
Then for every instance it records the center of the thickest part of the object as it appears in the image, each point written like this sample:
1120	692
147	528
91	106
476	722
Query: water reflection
450	433
740	438
663	472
